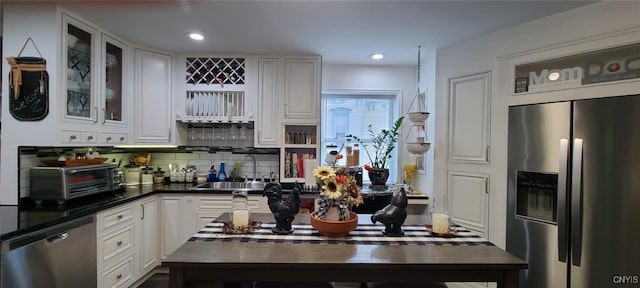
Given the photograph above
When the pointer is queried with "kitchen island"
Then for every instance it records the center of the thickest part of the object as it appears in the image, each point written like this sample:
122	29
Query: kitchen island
211	262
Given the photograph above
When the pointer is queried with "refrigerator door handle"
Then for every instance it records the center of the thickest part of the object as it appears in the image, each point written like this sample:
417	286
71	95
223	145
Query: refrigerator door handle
562	200
576	203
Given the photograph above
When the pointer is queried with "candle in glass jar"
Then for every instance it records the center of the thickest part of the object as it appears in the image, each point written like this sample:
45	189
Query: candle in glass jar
240	218
440	223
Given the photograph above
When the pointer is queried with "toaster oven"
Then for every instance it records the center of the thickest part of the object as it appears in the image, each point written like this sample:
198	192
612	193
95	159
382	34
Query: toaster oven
66	183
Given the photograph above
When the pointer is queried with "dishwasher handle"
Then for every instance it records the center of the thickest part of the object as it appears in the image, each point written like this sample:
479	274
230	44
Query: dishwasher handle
52	234
59	237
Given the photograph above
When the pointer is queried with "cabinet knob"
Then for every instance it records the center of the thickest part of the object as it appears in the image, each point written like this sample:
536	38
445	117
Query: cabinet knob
119	217
72	137
122	138
90	137
119	243
109	138
119	276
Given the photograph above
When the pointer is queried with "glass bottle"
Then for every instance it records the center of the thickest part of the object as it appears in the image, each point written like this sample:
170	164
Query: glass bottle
240	208
222	175
356	155
349	152
332	153
213	175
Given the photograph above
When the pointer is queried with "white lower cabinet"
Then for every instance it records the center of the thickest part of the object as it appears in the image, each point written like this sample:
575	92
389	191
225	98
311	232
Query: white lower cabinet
120	274
184	215
116	246
119	242
133	237
170	211
149	235
207	208
128	240
469	200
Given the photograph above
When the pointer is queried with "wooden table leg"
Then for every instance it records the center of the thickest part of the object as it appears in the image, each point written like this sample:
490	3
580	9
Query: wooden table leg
176	278
510	280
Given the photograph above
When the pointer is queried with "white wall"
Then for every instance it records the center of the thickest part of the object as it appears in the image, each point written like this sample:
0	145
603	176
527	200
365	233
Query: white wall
41	24
390	78
564	34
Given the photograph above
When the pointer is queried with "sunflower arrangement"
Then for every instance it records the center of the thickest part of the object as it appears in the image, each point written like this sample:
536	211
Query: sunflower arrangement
338	189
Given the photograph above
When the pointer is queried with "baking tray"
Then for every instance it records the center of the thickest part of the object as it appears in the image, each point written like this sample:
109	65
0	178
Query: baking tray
68	163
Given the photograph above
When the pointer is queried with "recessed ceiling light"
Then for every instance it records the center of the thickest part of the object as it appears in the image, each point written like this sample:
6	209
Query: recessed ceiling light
196	36
377	56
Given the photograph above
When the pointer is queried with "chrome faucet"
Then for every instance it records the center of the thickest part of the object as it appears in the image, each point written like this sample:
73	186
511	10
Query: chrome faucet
254	164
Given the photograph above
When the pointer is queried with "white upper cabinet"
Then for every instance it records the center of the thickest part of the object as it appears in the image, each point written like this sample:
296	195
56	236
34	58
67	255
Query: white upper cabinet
94	84
81	57
302	89
152	97
267	125
469	118
114	59
288	92
215	89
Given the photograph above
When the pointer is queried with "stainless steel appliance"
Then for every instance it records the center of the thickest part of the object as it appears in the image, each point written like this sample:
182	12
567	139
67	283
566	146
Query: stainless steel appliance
574	192
60	256
65	183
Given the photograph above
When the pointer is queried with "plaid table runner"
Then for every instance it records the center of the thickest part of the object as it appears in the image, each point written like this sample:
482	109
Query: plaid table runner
364	234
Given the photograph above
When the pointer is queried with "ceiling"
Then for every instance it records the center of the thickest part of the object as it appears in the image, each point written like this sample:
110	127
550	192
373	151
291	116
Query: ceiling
345	32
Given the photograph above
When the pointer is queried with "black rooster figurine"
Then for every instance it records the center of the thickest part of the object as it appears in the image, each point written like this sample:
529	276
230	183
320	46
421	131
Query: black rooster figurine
393	215
283	211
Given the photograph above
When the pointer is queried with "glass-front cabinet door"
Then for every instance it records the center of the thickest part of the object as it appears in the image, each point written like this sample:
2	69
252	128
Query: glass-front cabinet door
80	42
113	58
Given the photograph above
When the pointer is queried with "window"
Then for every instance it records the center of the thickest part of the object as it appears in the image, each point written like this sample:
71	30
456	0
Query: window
344	114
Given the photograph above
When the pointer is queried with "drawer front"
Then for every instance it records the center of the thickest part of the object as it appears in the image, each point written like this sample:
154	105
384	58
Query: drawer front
74	136
116	243
217	203
89	137
119	275
113	138
115	218
70	136
224	203
204	218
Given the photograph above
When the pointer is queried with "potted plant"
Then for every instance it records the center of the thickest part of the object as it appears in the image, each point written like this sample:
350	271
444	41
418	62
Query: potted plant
383	143
338	193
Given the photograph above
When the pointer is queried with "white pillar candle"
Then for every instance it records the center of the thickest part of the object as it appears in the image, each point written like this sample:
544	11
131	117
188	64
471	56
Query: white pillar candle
240	218
309	165
440	223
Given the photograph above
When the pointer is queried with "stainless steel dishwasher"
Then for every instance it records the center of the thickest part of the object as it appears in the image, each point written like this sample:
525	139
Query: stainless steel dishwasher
59	256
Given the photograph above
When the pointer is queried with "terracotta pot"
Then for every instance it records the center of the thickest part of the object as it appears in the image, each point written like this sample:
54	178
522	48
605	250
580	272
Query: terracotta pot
378	176
334	228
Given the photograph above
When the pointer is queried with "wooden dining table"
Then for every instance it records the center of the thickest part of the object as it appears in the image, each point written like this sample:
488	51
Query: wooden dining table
211	261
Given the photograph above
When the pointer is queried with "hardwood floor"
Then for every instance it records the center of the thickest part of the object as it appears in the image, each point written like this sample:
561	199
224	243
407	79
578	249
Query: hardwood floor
161	280
158	280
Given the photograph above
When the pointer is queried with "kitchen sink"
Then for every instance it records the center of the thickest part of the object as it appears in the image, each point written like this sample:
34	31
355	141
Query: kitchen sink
219	186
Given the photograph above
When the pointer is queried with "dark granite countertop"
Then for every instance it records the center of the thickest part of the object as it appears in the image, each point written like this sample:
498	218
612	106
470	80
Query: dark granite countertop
17	220
29	217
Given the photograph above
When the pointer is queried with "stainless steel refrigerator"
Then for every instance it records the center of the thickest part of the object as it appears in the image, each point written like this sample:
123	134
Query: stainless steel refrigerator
574	192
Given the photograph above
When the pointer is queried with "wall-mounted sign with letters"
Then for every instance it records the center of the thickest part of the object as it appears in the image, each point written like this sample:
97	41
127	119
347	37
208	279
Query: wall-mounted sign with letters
614	64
